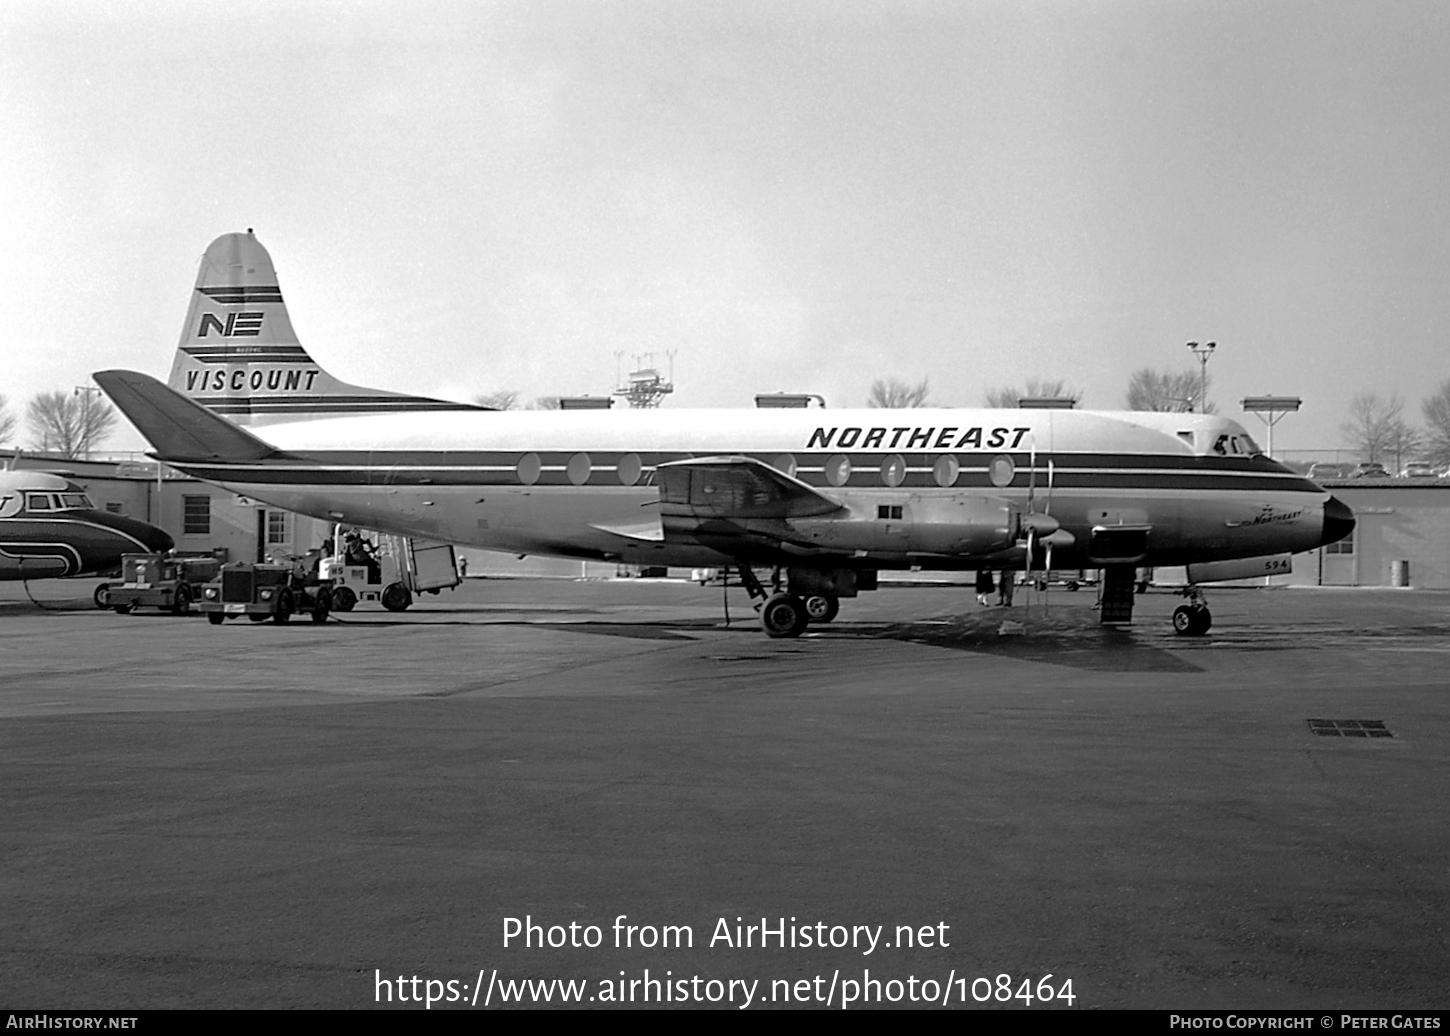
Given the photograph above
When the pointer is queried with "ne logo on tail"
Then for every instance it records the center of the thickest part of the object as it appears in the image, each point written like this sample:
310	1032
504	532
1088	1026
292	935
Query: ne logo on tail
238	325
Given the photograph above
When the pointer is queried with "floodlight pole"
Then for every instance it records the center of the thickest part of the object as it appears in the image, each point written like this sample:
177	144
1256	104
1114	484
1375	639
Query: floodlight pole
1203	352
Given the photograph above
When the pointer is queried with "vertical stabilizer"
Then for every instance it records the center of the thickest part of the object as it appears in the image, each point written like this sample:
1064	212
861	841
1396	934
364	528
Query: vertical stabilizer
240	358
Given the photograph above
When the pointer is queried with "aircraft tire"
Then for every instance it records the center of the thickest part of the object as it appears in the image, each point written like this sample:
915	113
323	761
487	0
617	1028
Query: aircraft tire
1191	622
102	595
215	618
822	607
343	600
181	603
784	616
396	598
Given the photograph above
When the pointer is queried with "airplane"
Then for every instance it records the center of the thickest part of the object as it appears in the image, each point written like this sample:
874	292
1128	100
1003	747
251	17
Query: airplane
823	499
49	527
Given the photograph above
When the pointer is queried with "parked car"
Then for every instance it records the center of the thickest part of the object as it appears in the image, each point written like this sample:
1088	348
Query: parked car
1369	469
1325	470
1419	469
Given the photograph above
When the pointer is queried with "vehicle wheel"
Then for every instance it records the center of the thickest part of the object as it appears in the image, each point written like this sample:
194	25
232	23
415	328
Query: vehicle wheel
1072	586
256	618
101	595
285	606
182	602
822	607
1141	586
343	599
396	598
123	609
784	616
321	608
215	618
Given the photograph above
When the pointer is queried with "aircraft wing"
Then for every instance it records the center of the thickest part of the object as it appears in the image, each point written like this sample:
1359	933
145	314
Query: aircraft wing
736	489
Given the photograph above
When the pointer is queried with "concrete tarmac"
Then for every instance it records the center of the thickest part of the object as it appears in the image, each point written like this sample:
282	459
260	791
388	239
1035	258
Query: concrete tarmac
255	815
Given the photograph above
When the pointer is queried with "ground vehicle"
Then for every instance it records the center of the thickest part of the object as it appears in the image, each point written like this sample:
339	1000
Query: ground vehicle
1369	469
1419	469
391	575
1325	470
262	591
158	581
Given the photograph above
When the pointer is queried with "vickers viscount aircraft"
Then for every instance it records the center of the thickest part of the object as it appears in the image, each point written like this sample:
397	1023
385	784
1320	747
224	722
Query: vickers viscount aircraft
49	527
825	499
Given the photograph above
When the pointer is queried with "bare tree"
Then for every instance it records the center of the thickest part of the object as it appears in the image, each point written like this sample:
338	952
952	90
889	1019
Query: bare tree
1437	424
7	421
70	423
1007	397
892	394
1167	391
503	399
1375	426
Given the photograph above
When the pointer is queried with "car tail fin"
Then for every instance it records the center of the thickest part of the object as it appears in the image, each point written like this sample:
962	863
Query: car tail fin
240	358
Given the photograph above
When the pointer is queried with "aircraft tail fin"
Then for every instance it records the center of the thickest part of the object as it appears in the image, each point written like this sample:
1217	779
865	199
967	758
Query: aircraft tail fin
179	428
240	358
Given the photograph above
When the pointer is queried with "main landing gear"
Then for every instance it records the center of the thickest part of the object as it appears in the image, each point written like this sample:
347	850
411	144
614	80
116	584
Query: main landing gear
1192	619
785	614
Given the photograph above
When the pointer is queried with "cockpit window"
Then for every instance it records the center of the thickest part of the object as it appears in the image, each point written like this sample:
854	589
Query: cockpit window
1220	445
1250	447
76	500
37	502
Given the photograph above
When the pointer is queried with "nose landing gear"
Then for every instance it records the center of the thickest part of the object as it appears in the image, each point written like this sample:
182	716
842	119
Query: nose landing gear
1192	619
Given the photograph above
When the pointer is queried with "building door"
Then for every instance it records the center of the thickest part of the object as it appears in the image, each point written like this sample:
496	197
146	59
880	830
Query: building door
1340	562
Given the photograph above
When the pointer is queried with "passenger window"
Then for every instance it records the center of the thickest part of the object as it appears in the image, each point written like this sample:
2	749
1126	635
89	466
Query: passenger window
37	502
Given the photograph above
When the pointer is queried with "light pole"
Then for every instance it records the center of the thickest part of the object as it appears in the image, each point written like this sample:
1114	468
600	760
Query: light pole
1203	352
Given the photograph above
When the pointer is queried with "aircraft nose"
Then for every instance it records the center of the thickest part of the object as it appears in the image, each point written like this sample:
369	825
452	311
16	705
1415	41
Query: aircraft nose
157	540
1338	521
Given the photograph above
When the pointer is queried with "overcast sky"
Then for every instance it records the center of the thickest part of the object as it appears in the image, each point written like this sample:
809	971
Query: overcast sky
467	197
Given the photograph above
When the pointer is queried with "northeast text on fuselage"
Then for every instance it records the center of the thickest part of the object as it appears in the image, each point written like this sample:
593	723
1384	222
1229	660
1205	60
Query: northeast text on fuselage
908	438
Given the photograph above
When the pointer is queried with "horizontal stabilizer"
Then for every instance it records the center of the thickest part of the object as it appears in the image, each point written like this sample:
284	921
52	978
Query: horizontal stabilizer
738	488
179	429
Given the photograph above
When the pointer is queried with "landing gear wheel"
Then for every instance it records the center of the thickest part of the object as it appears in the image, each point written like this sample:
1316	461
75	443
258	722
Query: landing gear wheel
822	607
285	608
396	598
102	595
320	609
784	616
215	618
1191	622
343	599
182	602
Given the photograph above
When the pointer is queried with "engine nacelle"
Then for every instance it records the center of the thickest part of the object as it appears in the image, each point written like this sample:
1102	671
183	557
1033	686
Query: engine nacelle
914	524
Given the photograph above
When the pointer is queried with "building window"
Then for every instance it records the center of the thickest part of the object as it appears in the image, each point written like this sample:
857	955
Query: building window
1344	546
196	516
277	528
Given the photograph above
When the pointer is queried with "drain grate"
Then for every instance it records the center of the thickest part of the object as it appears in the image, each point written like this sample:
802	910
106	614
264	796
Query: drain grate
1349	728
